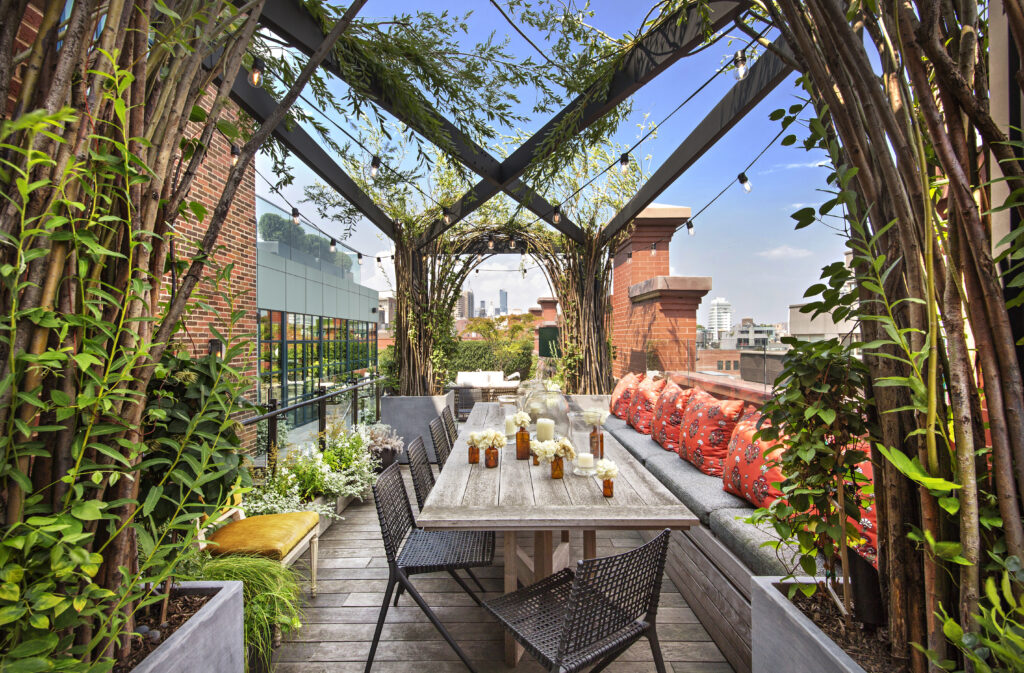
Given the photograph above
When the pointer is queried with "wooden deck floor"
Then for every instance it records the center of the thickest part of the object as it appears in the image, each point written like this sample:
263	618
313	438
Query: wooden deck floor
338	625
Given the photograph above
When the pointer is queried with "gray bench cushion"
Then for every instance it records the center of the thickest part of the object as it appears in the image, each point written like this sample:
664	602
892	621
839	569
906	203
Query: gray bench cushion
746	540
701	493
642	447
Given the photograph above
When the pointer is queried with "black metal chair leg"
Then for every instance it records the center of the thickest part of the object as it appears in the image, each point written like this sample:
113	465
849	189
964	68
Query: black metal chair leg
380	620
473	577
398	593
465	587
652	636
436	622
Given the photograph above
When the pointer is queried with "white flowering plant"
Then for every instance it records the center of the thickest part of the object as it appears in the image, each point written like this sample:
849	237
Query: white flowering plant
487	439
595	417
520	419
280	494
552	387
606	469
380	438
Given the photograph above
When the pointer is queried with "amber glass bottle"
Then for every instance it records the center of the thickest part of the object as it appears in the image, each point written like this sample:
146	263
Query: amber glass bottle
522	444
608	487
557	467
491	456
474	455
597	443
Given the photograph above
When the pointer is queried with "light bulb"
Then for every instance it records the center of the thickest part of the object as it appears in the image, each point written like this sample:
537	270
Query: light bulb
374	166
490	243
629	256
654	249
235	152
689	229
741	65
624	163
512	244
359	258
295	215
745	181
447	217
556	216
334	245
256	74
378	260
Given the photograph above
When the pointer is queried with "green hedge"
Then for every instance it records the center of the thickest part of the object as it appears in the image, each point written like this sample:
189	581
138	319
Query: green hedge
472	356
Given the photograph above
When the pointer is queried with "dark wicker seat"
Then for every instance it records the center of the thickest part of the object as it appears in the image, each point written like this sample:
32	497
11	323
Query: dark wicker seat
411	550
442	446
466	399
449	424
422	484
569	620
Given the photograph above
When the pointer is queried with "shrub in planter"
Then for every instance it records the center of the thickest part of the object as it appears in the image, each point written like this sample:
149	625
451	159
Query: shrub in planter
382	442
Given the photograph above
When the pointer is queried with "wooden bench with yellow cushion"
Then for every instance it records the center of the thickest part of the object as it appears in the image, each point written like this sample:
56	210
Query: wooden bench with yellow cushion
282	537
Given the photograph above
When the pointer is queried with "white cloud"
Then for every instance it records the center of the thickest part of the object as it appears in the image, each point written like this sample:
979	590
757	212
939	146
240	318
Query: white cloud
793	166
784	252
798	206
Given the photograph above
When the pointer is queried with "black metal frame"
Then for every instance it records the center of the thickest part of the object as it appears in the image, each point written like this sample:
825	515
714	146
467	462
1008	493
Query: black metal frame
439	438
449	424
572	620
422	552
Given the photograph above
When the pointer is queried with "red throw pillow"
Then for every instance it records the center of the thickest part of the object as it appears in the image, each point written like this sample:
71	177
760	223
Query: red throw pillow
641	410
748	471
623	394
707	428
668	416
868	524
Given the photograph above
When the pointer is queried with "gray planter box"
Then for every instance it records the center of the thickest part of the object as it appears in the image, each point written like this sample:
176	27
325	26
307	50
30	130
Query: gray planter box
212	640
410	417
783	639
339	508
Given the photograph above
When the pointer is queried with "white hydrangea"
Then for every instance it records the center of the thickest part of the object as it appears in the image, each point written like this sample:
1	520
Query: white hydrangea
606	469
545	451
488	438
595	416
521	419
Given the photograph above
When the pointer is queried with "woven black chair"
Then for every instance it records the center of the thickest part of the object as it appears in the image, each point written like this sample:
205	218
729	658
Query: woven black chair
449	424
422	484
422	552
569	620
465	399
439	436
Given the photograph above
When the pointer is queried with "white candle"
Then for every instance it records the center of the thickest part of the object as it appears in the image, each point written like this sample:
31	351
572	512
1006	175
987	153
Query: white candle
585	460
545	429
510	426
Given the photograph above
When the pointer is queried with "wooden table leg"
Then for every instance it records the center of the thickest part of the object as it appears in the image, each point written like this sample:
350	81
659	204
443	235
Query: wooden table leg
589	544
542	551
513	650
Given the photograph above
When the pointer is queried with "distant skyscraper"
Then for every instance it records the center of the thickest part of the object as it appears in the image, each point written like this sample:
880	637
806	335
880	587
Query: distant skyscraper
483	309
464	306
719	318
503	302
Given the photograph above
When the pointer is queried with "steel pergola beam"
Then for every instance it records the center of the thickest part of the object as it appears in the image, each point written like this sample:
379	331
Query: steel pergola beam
259	105
767	73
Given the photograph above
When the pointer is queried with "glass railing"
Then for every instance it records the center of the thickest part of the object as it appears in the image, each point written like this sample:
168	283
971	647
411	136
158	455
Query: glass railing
277	234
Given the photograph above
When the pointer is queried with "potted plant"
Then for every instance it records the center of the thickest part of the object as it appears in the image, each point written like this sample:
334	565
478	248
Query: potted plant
817	418
382	441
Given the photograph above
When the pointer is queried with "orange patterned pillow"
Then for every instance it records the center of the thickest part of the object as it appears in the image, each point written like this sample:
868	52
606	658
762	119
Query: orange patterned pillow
749	473
623	394
641	410
707	428
668	416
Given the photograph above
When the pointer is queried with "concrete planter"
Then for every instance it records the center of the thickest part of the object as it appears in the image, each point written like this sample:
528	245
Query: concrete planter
410	417
783	639
212	640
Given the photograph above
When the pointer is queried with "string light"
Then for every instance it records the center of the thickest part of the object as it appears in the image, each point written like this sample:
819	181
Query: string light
295	215
359	258
235	152
334	245
741	64
378	260
654	249
745	181
490	242
256	74
624	163
689	229
374	166
556	216
512	244
629	256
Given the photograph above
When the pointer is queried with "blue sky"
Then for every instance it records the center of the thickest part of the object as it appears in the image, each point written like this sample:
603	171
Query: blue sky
745	242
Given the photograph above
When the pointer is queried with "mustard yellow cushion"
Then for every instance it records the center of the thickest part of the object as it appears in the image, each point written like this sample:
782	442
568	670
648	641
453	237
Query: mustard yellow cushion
272	535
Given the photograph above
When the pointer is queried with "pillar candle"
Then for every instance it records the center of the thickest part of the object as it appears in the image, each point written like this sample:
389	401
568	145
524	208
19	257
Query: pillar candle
510	426
585	460
545	429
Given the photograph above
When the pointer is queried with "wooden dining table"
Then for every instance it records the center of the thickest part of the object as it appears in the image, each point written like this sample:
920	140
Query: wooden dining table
518	500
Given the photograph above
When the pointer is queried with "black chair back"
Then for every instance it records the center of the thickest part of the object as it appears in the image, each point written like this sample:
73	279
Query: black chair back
422	475
439	436
612	592
393	510
449	424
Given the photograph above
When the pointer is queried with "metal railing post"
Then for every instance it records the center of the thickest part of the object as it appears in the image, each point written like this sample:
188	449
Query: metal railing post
322	418
272	439
376	396
355	407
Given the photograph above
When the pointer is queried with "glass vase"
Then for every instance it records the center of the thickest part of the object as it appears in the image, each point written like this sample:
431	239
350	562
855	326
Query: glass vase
491	456
557	467
474	455
522	444
608	488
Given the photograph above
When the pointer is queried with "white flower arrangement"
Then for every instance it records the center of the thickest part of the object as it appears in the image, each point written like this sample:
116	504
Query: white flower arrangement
595	416
552	387
549	450
606	469
487	439
520	419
